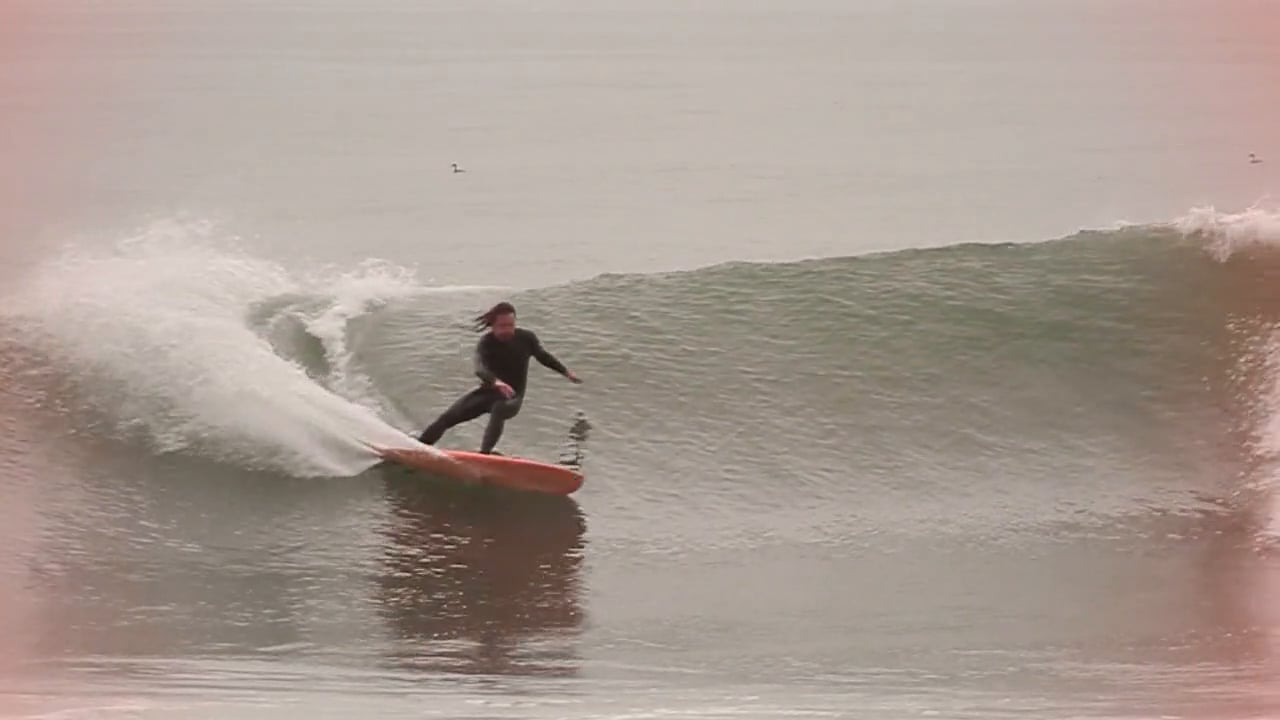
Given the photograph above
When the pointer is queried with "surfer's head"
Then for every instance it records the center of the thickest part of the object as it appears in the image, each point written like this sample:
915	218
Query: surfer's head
500	319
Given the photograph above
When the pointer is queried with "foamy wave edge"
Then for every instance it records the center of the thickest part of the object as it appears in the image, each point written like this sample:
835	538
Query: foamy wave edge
1229	233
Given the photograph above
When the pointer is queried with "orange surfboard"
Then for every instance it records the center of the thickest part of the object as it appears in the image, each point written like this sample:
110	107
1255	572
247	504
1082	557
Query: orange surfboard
509	472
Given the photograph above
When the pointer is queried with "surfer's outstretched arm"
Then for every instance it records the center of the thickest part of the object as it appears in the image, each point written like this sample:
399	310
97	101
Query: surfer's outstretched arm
548	360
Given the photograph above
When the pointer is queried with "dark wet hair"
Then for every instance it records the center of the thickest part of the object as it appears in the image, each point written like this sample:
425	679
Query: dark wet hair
490	316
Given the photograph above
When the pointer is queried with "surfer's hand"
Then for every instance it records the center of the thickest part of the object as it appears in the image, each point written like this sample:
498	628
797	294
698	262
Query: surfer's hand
504	388
573	378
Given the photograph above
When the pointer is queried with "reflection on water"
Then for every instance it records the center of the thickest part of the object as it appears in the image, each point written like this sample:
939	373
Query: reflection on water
481	581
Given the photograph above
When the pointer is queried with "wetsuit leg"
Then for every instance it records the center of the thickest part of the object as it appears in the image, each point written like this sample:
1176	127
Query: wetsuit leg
499	413
468	407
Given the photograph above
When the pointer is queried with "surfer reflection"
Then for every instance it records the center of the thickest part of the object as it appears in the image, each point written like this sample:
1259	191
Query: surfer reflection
476	584
502	365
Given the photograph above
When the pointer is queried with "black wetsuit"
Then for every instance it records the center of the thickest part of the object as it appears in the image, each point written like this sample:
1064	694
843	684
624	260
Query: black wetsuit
508	361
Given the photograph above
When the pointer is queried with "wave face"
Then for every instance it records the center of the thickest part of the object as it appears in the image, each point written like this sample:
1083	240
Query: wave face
972	386
978	387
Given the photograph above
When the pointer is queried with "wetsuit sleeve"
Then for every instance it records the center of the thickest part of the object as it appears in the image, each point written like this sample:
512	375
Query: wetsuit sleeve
481	367
541	355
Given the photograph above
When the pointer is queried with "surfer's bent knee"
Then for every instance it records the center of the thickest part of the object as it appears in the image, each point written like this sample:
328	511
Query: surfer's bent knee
508	408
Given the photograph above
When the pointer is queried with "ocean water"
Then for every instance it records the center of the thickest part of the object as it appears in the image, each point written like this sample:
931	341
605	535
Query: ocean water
932	358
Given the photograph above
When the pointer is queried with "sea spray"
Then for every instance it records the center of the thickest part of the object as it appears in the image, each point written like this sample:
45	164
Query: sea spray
153	333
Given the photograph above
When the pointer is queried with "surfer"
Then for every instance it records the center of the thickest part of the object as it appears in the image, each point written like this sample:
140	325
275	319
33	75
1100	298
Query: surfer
502	363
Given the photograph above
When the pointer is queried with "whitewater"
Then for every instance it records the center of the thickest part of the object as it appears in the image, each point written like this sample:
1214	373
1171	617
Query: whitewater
155	333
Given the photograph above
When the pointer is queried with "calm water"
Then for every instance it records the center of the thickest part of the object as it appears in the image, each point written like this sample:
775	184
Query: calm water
931	355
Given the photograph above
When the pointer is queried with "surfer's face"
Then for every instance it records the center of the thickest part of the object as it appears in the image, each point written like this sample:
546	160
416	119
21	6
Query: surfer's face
504	326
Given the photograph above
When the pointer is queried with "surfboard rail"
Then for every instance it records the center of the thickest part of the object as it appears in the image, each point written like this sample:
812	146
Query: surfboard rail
499	470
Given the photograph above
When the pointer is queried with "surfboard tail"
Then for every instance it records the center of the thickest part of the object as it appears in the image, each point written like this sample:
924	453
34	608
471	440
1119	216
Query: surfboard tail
424	459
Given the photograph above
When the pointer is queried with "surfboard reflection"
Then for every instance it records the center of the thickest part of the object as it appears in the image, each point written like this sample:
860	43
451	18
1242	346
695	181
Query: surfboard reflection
481	582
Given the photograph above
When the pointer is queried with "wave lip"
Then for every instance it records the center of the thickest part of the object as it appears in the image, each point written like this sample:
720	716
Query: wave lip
1231	233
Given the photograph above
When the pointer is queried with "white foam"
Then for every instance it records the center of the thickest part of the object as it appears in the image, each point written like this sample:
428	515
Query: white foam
350	296
154	333
1229	233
